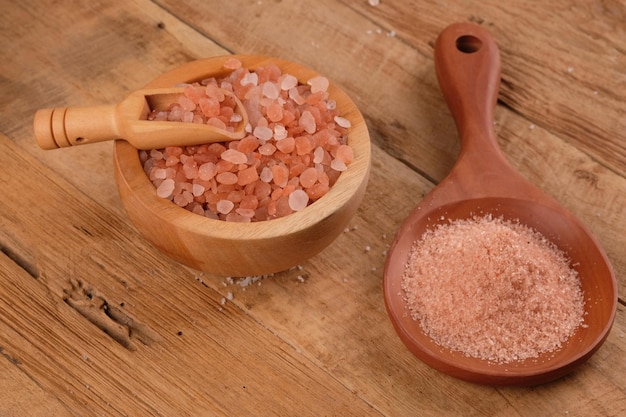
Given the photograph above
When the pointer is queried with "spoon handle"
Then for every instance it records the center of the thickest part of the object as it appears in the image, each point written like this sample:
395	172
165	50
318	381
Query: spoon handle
467	63
69	126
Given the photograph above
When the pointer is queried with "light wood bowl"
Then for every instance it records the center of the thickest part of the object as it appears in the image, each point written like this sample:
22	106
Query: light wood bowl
243	249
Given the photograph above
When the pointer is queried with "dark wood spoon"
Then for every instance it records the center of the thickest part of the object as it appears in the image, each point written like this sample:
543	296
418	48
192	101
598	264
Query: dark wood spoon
467	63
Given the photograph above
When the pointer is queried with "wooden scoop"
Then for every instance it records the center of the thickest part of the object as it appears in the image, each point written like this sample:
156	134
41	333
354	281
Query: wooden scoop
467	63
64	127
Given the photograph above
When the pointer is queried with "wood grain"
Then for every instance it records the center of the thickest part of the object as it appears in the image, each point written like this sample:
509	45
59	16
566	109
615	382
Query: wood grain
198	361
314	340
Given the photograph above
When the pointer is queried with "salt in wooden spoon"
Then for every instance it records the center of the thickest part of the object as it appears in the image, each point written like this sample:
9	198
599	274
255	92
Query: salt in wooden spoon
64	127
467	64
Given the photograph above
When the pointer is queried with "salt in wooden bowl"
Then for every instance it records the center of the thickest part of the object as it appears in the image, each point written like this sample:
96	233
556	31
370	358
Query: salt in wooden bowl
244	249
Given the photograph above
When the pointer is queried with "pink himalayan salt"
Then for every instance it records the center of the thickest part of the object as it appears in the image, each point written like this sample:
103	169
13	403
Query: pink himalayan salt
342	122
318	84
234	156
289	160
298	200
492	289
166	188
225	206
288	82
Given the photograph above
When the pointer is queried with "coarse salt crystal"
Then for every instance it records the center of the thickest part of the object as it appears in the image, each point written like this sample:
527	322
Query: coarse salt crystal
294	94
263	132
280	132
342	122
250	78
232	63
298	200
225	206
227	177
267	149
338	165
288	82
198	190
234	156
166	188
188	117
318	84
160	174
266	174
270	90
318	155
307	120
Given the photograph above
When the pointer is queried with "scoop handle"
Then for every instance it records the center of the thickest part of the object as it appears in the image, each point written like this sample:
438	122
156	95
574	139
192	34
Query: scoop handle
467	64
69	126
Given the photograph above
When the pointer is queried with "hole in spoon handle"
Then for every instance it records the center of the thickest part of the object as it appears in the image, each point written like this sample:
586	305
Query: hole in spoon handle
467	63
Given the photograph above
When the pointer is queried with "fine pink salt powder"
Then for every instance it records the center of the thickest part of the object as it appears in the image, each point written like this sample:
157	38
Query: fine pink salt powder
492	289
295	149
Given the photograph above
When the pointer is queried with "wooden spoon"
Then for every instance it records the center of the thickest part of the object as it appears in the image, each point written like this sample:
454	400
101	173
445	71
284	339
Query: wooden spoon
467	63
64	127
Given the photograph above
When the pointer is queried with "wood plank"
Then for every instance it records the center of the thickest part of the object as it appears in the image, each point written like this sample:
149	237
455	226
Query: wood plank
136	41
403	106
328	324
407	115
575	94
323	325
26	397
562	68
205	355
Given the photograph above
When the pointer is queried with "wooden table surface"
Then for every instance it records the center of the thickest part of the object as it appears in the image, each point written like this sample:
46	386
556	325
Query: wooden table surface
96	322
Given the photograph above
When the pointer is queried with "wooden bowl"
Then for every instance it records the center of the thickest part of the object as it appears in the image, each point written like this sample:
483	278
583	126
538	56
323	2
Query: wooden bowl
243	249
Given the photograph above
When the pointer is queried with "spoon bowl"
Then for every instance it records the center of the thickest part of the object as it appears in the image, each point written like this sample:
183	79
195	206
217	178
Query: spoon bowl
482	182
